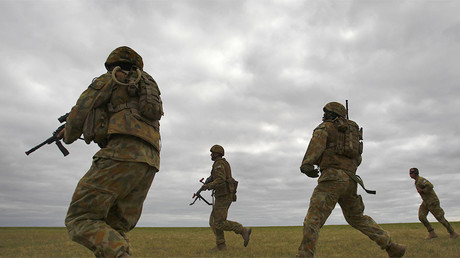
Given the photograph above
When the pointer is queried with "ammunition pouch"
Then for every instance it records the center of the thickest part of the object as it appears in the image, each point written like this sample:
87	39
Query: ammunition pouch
232	186
96	125
97	121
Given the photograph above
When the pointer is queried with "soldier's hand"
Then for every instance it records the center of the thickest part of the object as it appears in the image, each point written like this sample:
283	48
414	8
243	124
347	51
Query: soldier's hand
60	135
309	170
204	187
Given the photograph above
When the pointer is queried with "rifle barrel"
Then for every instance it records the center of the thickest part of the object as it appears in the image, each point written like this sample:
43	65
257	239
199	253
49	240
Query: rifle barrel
47	141
35	148
346	107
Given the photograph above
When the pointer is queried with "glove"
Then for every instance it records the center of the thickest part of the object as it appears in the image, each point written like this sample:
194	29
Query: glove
309	170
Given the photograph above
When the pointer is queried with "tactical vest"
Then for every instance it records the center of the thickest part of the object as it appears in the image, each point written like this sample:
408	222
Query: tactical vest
231	185
130	104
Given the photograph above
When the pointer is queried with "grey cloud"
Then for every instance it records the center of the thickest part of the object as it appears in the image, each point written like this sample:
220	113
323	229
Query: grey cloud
250	76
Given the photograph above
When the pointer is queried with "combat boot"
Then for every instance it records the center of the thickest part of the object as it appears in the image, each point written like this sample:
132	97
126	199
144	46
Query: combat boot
246	234
453	235
431	234
396	250
219	247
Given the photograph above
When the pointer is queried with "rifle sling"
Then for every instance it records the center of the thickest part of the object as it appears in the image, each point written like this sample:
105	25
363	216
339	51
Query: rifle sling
359	181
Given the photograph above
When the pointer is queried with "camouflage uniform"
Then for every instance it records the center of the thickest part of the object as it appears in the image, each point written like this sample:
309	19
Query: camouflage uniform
108	199
223	199
334	186
431	204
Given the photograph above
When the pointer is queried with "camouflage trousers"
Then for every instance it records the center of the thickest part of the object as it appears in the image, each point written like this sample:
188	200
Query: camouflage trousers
438	213
218	219
323	200
107	203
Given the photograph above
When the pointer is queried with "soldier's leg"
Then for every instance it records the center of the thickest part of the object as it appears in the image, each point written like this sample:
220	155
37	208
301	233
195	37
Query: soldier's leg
422	213
353	208
125	213
438	213
221	222
218	214
322	202
227	225
93	198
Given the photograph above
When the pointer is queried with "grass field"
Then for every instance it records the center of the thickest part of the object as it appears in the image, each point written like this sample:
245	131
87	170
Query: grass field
335	241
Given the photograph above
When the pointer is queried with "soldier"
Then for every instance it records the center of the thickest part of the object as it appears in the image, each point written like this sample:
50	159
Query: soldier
431	204
329	150
120	111
224	187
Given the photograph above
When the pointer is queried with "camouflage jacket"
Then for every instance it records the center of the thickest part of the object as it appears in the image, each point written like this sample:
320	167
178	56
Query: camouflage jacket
220	172
321	151
426	191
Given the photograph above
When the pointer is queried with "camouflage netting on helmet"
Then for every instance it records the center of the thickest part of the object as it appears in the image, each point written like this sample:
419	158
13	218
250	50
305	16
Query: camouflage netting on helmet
336	107
124	54
218	149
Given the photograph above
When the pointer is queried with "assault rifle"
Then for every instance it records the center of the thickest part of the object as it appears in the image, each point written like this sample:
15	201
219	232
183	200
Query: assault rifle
197	195
54	138
357	178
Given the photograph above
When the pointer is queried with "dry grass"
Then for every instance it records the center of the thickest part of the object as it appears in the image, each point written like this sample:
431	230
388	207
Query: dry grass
335	241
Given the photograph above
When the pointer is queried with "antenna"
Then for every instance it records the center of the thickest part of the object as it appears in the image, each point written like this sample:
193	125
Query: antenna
346	106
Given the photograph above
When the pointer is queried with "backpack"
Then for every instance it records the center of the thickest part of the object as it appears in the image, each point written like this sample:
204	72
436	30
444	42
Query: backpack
147	109
231	183
349	139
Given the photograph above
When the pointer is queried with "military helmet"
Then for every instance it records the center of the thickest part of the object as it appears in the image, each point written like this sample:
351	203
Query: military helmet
124	54
217	149
336	108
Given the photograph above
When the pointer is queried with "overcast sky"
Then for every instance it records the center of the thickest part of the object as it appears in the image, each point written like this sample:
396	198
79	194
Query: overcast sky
252	76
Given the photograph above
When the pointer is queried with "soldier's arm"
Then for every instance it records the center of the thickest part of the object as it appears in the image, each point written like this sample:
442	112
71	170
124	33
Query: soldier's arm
157	110
218	176
79	112
316	147
76	118
426	186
